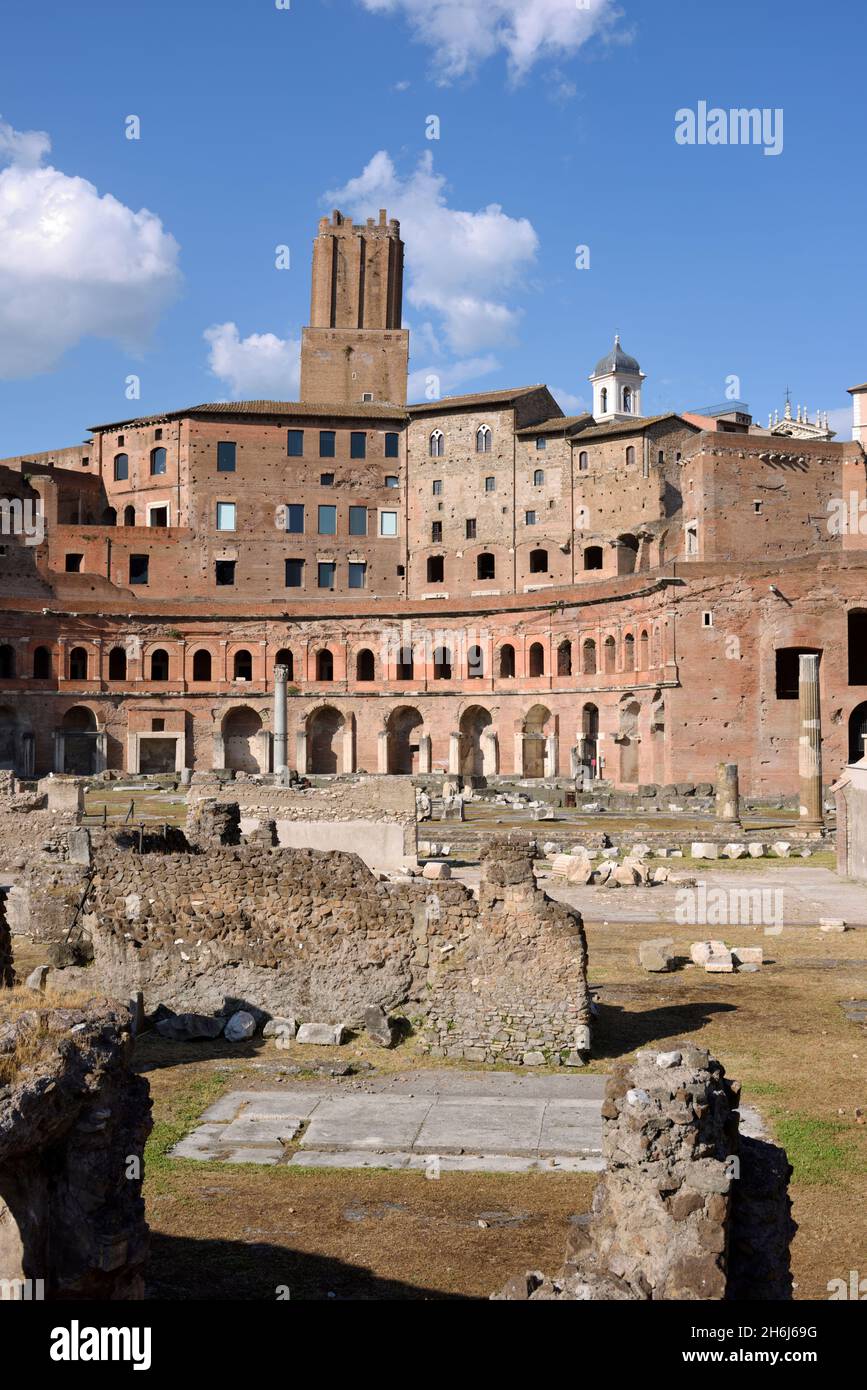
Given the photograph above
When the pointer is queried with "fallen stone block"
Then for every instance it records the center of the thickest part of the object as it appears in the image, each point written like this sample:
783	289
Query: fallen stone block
747	955
240	1027
703	849
660	875
533	1059
437	870
377	1026
669	1059
703	951
734	851
657	955
37	978
610	853
280	1028
323	1034
781	849
627	875
580	870
561	865
639	851
832	924
188	1027
720	965
756	850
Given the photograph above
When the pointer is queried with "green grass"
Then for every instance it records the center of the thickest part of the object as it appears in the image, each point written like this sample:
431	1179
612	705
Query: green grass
817	1149
182	1114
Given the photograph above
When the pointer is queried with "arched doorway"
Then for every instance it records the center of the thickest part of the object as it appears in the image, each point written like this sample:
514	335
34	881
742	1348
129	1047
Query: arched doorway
628	741
857	733
473	723
324	731
589	747
79	741
404	727
534	741
241	728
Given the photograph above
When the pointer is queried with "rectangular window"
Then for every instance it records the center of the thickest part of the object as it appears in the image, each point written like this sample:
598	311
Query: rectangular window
436	532
295	518
121	468
392	446
73	564
328	521
158	516
490	485
471	528
327	442
358	521
392	480
138	569
158	462
326	574
358	444
225	456
294	574
437	487
541	443
158	434
225	516
224	572
357	575
388	523
530	518
295	444
326	480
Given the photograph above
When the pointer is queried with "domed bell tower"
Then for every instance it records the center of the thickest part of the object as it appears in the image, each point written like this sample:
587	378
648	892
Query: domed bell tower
617	383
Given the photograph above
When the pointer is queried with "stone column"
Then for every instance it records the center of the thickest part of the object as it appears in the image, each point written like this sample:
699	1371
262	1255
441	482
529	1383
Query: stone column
100	752
810	751
301	750
552	755
490	753
728	803
424	753
281	681
218	753
519	754
348	749
382	751
454	755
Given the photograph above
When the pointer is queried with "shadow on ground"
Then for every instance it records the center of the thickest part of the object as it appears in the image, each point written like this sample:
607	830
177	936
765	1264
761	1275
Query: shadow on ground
618	1031
184	1268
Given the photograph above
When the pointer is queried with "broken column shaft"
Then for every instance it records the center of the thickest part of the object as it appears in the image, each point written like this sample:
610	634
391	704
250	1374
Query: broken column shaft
810	746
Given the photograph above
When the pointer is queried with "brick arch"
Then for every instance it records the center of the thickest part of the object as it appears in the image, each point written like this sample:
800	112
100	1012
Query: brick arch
324	725
404	726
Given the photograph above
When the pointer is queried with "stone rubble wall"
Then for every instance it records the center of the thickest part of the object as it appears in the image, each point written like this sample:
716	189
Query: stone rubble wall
7	973
319	937
688	1208
71	1209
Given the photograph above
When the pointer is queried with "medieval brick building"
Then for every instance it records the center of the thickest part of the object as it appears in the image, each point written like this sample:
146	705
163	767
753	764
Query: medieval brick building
480	584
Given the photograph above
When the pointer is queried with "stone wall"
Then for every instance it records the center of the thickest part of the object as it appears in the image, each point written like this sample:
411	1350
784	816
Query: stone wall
7	973
71	1121
317	936
688	1208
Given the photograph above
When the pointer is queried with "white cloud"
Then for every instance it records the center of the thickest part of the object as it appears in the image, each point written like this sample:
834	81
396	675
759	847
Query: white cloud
569	403
430	383
461	266
260	367
72	263
466	32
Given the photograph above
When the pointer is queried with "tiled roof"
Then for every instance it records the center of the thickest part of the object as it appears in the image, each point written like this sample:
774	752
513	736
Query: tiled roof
480	398
288	409
636	426
560	424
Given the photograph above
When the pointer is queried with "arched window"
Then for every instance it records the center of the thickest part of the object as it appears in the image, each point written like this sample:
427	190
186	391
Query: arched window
486	567
437	444
629	652
7	662
285	658
507	661
129	516
117	664
538	477
603	399
484	439
109	517
365	667
588	657
243	665
644	651
405	664
159	665
627	401
202	665
435	569
78	664
537	659
158	461
593	557
121	468
538	562
42	664
583	461
475	663
564	659
442	664
610	655
324	665
630	454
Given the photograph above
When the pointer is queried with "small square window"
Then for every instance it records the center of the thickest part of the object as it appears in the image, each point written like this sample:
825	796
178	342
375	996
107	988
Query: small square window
707	619
294	574
295	444
326	480
367	397
158	516
73	564
530	518
120	441
327	521
358	444
490	485
225	516
358	521
392	446
391	480
295	518
326	574
327	444
158	434
357	575
541	444
758	508
436	532
158	726
437	487
225	456
471	528
224	572
388	523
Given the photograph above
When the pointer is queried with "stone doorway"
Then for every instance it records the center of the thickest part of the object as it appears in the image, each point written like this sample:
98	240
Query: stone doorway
241	730
534	741
404	731
474	722
79	741
324	733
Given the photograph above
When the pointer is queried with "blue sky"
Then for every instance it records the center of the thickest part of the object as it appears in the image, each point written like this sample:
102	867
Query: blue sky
555	130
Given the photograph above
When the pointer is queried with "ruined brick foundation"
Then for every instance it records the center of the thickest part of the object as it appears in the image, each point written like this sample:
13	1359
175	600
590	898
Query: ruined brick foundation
71	1121
688	1208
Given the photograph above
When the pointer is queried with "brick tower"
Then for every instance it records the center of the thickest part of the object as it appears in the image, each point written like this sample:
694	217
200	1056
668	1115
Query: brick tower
355	349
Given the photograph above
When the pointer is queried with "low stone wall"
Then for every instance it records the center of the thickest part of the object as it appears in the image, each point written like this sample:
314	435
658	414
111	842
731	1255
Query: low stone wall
7	973
688	1208
73	1124
319	937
